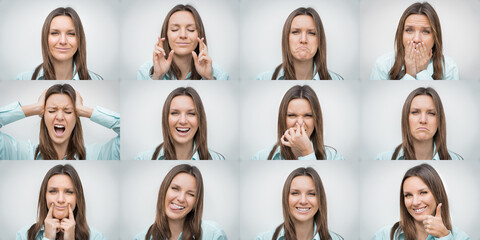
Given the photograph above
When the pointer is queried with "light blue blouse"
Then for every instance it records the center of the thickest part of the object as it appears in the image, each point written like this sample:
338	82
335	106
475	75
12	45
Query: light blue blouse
11	149
385	63
210	231
143	72
330	154
147	155
23	234
281	235
281	75
388	155
40	76
455	234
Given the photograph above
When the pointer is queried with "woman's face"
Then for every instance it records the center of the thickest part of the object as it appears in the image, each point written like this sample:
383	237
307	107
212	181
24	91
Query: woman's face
418	29
423	118
180	197
302	199
303	38
419	199
182	33
61	192
62	39
183	119
60	118
299	111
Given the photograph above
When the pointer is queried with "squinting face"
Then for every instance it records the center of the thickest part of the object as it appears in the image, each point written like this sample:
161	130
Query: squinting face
62	39
303	38
299	111
180	197
418	29
302	199
183	120
418	198
61	192
59	118
182	33
423	118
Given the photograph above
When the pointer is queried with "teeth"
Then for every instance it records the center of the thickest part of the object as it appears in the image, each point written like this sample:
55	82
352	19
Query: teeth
59	126
303	209
183	129
177	206
419	209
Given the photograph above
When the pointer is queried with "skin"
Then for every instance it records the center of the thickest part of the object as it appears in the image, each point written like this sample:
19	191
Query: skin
62	45
300	124
61	200
423	122
418	41
303	196
182	115
303	42
422	206
183	38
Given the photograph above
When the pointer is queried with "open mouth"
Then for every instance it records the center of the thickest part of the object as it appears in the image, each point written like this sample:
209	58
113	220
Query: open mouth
303	209
59	129
182	131
420	210
174	206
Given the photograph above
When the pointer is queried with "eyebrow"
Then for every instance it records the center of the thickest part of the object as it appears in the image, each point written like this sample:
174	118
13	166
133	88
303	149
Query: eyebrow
55	107
176	185
412	26
68	30
188	110
177	25
416	108
308	190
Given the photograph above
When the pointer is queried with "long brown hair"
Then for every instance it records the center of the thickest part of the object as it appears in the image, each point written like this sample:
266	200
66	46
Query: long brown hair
440	137
174	70
80	57
81	226
192	229
200	138
320	218
302	92
431	178
320	58
399	69
76	148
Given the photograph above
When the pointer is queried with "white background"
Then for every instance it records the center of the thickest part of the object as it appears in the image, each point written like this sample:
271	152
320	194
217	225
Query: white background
380	189
142	21
382	104
340	108
141	181
20	183
460	32
142	104
21	25
261	195
261	34
94	93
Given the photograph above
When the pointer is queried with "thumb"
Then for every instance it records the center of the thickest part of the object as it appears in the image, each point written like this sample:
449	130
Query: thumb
170	56
195	57
439	211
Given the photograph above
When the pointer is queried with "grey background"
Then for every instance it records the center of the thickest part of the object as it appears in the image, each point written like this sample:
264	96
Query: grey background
20	183
21	30
460	32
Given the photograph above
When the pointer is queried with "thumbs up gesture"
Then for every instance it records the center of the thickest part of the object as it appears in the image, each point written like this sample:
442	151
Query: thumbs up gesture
434	224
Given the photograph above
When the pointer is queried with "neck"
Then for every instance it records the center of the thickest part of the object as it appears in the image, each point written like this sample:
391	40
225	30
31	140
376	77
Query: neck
303	69
183	63
304	230
423	149
63	69
176	228
420	231
61	150
184	151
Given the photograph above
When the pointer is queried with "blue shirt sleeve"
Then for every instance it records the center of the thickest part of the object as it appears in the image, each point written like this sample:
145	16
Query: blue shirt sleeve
111	149
10	148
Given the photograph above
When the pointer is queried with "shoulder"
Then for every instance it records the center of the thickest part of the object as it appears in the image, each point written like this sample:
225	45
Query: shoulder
459	234
335	76
382	66
384	155
449	62
147	155
22	234
216	155
211	230
141	235
335	236
25	75
383	233
388	58
455	156
332	154
265	75
219	73
95	235
263	154
94	76
265	235
143	72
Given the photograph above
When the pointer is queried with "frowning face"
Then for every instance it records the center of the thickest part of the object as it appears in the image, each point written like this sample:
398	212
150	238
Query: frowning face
61	192
303	38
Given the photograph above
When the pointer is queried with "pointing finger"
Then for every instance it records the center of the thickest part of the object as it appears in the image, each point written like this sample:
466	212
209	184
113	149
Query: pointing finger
70	213
50	211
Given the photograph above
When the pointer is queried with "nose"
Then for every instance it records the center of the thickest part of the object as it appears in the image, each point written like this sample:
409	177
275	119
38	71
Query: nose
423	118
417	37
59	116
303	37
183	33
416	200
181	197
183	119
63	38
303	200
300	121
60	198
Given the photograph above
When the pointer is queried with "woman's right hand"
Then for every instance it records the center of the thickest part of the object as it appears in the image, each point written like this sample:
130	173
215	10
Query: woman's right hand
160	64
410	56
36	108
52	225
297	139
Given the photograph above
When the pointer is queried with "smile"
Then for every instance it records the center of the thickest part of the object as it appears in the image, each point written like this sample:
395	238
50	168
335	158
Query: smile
420	210
174	206
182	131
305	209
59	130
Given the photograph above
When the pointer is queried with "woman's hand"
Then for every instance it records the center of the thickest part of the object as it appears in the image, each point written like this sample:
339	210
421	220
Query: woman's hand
297	139
410	64
423	56
81	110
67	225
203	63
37	108
160	64
52	225
417	57
434	225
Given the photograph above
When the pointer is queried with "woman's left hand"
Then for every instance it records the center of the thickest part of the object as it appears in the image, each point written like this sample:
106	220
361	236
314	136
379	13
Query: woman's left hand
67	225
422	57
203	63
297	139
82	111
434	225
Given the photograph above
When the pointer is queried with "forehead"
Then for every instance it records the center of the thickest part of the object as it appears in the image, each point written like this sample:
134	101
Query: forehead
422	101
62	22
419	20
302	182
413	184
303	21
182	18
59	100
186	181
182	102
299	104
60	181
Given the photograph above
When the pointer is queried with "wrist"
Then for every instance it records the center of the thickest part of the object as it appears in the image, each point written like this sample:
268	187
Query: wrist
32	109
307	151
84	111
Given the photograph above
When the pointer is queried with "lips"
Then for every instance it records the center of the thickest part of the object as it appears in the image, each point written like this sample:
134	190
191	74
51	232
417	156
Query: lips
419	210
303	209
183	44
59	129
182	131
63	49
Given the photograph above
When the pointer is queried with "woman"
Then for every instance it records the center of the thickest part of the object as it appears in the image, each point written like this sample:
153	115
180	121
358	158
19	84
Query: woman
418	49
61	135
424	209
304	49
181	50
299	129
180	208
184	127
424	129
304	208
64	49
61	209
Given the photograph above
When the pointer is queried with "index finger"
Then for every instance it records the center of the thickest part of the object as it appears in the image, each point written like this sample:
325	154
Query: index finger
70	213
439	210
201	43
50	211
